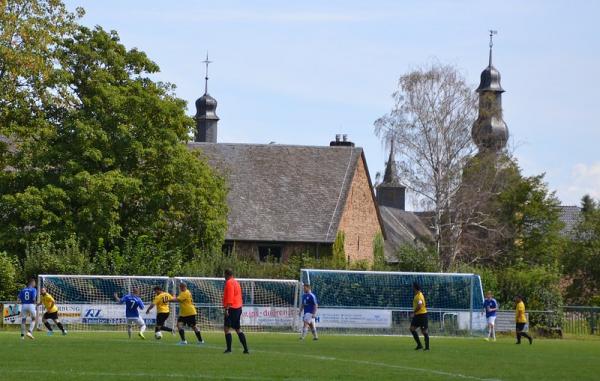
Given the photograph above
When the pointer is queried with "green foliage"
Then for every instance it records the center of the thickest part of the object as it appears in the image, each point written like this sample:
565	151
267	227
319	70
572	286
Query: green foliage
8	277
101	152
378	252
581	260
45	256
339	254
417	259
531	212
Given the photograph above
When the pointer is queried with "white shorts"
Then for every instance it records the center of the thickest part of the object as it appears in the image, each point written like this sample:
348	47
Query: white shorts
28	310
137	320
308	318
491	320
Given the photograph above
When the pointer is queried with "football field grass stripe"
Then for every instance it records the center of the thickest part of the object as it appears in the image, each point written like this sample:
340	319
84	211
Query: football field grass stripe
195	376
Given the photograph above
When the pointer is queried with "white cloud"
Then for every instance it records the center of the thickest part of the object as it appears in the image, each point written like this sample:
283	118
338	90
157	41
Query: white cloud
585	179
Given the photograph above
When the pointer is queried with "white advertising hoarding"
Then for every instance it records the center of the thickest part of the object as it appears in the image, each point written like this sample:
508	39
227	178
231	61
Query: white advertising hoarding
269	316
353	318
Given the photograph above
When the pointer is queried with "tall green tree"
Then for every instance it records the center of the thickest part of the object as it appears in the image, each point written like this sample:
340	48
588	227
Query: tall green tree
581	261
103	158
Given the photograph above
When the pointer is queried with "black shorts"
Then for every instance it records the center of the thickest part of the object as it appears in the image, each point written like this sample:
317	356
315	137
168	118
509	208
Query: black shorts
161	318
232	320
50	315
520	326
420	321
190	321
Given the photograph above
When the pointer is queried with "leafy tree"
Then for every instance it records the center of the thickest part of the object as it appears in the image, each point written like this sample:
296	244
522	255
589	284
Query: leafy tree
417	259
581	260
8	277
339	254
110	162
378	252
430	124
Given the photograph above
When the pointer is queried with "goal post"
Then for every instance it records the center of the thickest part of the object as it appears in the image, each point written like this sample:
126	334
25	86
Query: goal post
380	302
86	302
269	304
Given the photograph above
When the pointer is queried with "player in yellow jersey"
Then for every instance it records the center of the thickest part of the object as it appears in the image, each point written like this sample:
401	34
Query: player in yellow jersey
521	320
419	319
161	302
187	314
51	312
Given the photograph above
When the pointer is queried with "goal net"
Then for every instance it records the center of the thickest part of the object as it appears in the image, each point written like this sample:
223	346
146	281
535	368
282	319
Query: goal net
269	304
381	302
86	302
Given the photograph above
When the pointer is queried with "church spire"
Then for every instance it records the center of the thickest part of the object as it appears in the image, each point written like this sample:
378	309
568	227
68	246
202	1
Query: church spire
391	176
492	33
489	131
206	113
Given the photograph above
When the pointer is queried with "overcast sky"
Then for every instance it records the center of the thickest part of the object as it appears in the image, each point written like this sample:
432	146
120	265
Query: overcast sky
300	72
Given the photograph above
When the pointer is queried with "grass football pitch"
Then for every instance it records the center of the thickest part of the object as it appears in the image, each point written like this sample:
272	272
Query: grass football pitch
112	356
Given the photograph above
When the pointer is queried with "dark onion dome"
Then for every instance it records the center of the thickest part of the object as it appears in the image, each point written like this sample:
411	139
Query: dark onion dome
490	80
206	107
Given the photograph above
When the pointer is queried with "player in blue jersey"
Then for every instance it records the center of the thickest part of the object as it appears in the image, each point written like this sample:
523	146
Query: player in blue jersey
133	305
490	305
28	300
309	312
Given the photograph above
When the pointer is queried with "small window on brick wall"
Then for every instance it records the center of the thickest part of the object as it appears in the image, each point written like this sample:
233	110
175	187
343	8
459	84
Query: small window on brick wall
270	253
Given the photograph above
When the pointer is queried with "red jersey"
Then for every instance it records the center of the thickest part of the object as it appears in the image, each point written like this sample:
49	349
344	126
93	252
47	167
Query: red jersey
232	294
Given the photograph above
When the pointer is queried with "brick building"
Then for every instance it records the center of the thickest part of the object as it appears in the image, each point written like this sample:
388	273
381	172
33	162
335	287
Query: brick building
286	199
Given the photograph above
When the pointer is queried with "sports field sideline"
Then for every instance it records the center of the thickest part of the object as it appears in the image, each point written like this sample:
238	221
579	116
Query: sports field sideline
112	356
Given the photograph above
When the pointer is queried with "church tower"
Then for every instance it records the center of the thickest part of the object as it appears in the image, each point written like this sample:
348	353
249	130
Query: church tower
391	192
489	131
206	114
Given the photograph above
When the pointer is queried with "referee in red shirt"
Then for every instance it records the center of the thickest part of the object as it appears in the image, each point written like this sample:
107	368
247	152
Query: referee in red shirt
232	303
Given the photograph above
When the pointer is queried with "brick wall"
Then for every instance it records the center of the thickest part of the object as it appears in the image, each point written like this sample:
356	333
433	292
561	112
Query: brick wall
359	219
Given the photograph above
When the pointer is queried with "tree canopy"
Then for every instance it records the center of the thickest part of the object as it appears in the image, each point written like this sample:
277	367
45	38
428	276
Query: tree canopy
99	146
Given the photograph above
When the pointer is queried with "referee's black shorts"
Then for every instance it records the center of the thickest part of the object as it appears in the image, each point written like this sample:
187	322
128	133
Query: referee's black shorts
420	321
232	320
190	321
161	318
520	327
50	315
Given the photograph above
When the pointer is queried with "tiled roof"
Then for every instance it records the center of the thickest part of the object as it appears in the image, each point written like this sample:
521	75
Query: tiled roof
283	192
402	228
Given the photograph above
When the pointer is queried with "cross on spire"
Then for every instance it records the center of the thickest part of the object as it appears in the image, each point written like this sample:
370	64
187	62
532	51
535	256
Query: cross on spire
492	33
206	62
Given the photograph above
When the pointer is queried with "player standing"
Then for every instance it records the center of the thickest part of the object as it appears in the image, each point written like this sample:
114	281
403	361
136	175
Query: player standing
521	319
133	305
187	314
161	301
28	297
51	312
490	305
232	303
419	319
309	311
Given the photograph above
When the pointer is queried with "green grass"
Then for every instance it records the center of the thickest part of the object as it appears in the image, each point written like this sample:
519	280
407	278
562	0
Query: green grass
111	356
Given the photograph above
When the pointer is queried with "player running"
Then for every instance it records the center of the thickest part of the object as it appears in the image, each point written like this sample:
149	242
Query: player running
51	312
161	301
521	319
309	311
133	305
419	319
27	298
490	305
187	314
232	303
